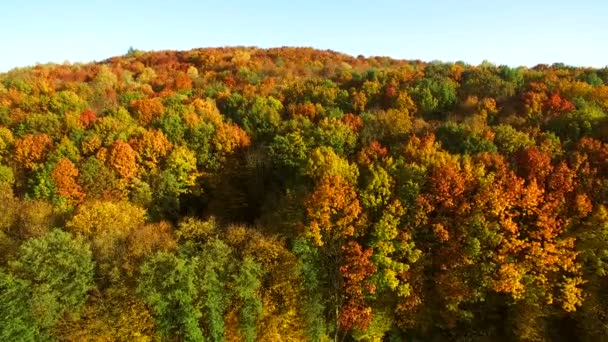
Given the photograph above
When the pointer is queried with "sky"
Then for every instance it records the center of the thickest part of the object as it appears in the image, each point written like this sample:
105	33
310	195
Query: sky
514	33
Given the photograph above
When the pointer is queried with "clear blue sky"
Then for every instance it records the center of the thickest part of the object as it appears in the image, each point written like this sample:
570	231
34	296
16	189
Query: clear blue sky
513	32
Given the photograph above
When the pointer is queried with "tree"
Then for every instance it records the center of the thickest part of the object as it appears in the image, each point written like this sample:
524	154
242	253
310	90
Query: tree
357	270
310	266
59	271
247	284
509	140
215	266
333	211
19	321
323	162
151	147
182	164
289	152
6	141
147	110
123	159
167	285
107	226
31	149
64	175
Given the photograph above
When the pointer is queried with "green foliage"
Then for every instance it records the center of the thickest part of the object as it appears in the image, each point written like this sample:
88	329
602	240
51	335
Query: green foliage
59	271
199	139
592	78
435	95
214	266
15	309
485	82
167	285
579	123
509	140
7	177
324	162
66	101
378	189
262	117
593	243
289	153
309	263
97	179
335	134
247	284
457	139
173	126
182	164
43	123
42	186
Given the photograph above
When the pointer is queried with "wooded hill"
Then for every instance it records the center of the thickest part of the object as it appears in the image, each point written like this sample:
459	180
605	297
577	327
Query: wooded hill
289	194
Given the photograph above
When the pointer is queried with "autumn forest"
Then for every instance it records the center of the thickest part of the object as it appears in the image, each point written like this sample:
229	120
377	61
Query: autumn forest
293	194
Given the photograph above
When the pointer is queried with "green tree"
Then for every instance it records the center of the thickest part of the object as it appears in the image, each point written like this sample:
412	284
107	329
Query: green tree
59	270
214	265
509	140
314	302
18	321
247	284
167	283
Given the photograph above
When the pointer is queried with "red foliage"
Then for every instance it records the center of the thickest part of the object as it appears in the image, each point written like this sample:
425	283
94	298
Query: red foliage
87	117
556	105
356	271
375	151
533	164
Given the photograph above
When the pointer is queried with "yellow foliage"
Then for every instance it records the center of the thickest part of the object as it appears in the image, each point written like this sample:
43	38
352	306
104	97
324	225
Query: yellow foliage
509	281
207	110
112	217
333	210
6	139
110	320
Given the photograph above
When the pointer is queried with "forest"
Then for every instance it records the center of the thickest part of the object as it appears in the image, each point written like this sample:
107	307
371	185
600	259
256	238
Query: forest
294	194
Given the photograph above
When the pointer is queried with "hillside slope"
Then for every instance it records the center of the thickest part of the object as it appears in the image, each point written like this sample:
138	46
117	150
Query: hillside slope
293	194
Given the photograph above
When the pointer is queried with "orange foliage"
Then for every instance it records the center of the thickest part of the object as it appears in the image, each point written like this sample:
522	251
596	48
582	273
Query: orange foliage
230	137
151	147
307	110
533	164
353	121
183	81
147	110
123	159
556	105
31	149
64	175
333	210
447	185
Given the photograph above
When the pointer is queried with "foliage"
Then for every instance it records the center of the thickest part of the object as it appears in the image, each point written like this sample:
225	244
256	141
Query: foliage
167	284
290	194
59	272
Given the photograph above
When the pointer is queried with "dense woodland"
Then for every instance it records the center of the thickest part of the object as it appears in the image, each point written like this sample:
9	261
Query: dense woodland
291	194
